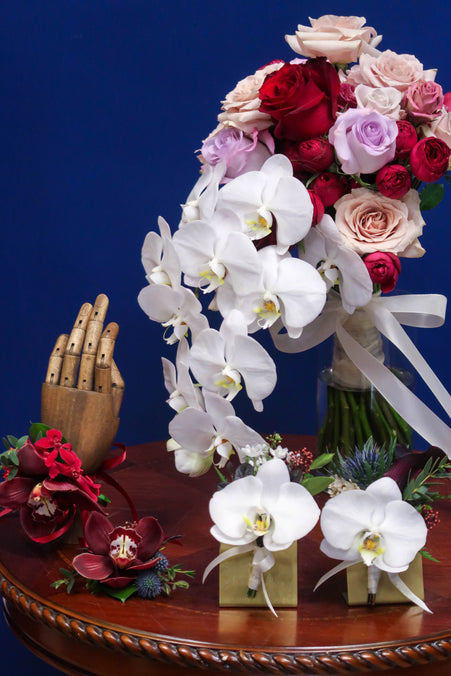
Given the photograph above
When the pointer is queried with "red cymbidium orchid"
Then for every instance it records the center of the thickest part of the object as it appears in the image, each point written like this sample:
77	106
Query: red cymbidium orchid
118	554
48	488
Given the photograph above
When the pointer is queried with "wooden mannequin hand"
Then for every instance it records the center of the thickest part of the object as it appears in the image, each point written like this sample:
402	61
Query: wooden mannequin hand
83	388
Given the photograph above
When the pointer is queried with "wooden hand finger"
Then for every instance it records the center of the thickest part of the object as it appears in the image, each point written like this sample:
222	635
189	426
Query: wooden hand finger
91	343
102	378
117	388
56	360
74	346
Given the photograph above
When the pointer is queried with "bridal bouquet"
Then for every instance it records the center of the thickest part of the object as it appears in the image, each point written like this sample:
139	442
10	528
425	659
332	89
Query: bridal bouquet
311	191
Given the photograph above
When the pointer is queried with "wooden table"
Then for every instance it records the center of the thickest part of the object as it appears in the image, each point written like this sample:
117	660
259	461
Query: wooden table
88	634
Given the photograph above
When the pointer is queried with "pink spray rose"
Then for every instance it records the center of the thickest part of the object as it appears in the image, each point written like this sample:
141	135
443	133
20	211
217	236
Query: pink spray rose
423	101
393	181
429	159
406	139
329	187
384	268
364	140
313	155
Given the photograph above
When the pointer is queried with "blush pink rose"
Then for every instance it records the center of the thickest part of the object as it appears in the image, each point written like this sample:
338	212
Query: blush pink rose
423	101
384	268
241	105
369	222
389	69
339	38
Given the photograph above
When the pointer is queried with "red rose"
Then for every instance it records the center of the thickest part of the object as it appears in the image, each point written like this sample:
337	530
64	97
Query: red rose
301	98
318	207
406	139
346	97
393	181
429	159
329	187
384	268
313	155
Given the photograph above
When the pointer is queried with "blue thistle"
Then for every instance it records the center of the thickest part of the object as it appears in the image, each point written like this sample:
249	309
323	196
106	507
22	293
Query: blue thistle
162	565
148	584
366	464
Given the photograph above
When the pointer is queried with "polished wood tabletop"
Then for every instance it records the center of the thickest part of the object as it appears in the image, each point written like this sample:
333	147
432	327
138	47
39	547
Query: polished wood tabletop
82	633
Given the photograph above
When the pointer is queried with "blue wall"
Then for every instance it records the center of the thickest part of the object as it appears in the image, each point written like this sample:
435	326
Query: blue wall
102	106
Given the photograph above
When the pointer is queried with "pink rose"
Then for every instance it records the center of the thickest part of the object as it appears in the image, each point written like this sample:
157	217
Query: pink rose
346	97
406	139
389	69
369	222
339	38
318	207
241	105
429	159
242	153
447	100
385	100
384	268
423	101
393	181
329	187
364	140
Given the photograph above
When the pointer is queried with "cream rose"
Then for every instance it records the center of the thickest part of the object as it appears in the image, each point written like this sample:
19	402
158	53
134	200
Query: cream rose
389	70
241	105
384	100
370	222
340	38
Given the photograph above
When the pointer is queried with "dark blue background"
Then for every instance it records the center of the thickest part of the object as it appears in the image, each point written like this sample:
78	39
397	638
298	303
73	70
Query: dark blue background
102	105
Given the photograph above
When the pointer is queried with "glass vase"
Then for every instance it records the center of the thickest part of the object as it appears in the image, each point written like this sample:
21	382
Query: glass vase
350	409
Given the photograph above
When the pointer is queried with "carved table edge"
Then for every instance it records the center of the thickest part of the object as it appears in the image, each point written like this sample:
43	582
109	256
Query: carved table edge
349	659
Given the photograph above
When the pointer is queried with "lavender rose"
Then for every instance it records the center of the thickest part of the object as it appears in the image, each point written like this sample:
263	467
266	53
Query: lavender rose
364	140
241	152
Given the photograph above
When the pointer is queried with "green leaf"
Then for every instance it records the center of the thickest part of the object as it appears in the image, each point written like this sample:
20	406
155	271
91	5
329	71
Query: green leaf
321	461
431	196
37	431
182	584
11	440
22	441
103	499
121	594
316	484
426	555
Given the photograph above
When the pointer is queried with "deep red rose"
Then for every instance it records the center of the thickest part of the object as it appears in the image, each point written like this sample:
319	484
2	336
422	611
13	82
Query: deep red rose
384	268
429	159
301	98
329	187
318	207
447	100
406	139
393	181
346	97
313	155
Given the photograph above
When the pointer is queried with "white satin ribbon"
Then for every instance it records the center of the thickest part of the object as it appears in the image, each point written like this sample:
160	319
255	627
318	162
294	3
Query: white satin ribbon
262	561
387	314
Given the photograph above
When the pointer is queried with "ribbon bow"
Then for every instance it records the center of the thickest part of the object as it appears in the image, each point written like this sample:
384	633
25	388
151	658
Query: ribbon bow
387	314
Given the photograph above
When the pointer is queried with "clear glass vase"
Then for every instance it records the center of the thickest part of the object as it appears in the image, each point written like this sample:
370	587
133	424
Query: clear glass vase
350	409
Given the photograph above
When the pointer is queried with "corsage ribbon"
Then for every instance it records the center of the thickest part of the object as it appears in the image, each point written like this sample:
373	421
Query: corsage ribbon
262	561
387	314
373	579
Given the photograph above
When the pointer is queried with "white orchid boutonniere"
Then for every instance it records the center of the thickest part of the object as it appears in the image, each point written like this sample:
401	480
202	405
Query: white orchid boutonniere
263	514
377	527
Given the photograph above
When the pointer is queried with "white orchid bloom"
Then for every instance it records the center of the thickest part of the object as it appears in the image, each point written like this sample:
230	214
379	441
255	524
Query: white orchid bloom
270	195
210	251
177	380
201	201
199	434
338	263
219	359
374	526
289	288
267	505
159	258
176	308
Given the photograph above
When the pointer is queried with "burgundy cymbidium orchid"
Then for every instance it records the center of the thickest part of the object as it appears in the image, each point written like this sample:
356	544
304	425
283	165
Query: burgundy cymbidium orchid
118	554
48	488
